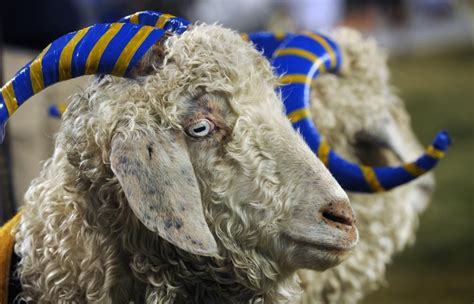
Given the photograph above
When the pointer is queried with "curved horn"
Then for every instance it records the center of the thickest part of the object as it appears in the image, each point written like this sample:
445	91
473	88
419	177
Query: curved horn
157	20
299	61
113	49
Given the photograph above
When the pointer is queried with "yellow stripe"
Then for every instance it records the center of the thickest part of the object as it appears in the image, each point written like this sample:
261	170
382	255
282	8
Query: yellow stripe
93	59
62	107
413	169
295	78
6	250
371	178
297	52
323	152
9	97
244	36
66	55
435	153
132	46
325	45
298	115
162	20
280	35
134	18
36	71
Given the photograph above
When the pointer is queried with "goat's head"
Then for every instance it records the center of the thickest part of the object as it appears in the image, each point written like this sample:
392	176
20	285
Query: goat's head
213	135
377	132
199	146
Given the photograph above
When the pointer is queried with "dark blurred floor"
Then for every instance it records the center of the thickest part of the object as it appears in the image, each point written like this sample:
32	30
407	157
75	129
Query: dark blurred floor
439	268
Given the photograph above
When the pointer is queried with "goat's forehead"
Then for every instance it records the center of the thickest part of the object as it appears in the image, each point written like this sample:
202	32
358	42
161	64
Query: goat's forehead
211	52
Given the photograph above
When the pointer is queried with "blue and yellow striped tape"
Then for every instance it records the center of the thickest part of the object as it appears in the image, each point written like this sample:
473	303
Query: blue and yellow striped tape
99	49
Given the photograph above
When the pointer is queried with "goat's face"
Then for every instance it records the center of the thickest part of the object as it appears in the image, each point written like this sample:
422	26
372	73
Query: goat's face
208	160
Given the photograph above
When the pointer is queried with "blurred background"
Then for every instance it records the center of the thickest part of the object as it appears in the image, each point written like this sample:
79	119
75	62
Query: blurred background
431	47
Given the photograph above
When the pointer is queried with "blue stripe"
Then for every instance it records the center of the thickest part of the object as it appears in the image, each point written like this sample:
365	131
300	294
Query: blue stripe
84	47
176	25
347	174
154	36
149	18
3	112
114	49
54	111
3	118
125	19
293	64
293	96
390	177
426	162
265	42
50	61
22	85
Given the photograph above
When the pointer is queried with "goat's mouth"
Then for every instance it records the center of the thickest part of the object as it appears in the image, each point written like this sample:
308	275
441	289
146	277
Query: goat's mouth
317	254
330	247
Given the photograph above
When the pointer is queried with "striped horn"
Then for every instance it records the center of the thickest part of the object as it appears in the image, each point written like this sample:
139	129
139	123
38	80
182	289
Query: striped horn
166	22
299	60
113	49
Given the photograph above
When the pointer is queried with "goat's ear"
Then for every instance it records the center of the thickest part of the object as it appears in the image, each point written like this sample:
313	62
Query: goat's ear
158	179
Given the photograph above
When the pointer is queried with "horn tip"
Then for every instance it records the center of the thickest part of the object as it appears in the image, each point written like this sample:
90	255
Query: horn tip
442	140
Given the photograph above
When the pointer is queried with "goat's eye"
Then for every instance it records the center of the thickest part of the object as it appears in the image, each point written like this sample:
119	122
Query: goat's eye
200	128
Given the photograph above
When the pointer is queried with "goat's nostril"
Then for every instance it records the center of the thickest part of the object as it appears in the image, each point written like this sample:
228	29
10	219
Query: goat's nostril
338	212
338	218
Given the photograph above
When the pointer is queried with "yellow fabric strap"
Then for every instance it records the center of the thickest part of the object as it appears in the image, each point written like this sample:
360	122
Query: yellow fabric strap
9	97
325	45
295	78
413	169
162	20
134	18
66	55
323	152
280	35
62	107
371	178
36	71
7	242
298	115
95	55
130	50
244	36
435	153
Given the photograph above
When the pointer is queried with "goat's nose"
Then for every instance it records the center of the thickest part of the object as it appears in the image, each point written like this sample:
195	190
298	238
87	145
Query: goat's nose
338	212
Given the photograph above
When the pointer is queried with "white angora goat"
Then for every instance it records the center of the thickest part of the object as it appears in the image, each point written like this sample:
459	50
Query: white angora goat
362	118
186	184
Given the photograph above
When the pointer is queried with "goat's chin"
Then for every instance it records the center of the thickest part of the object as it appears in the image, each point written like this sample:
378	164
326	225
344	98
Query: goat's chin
314	256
